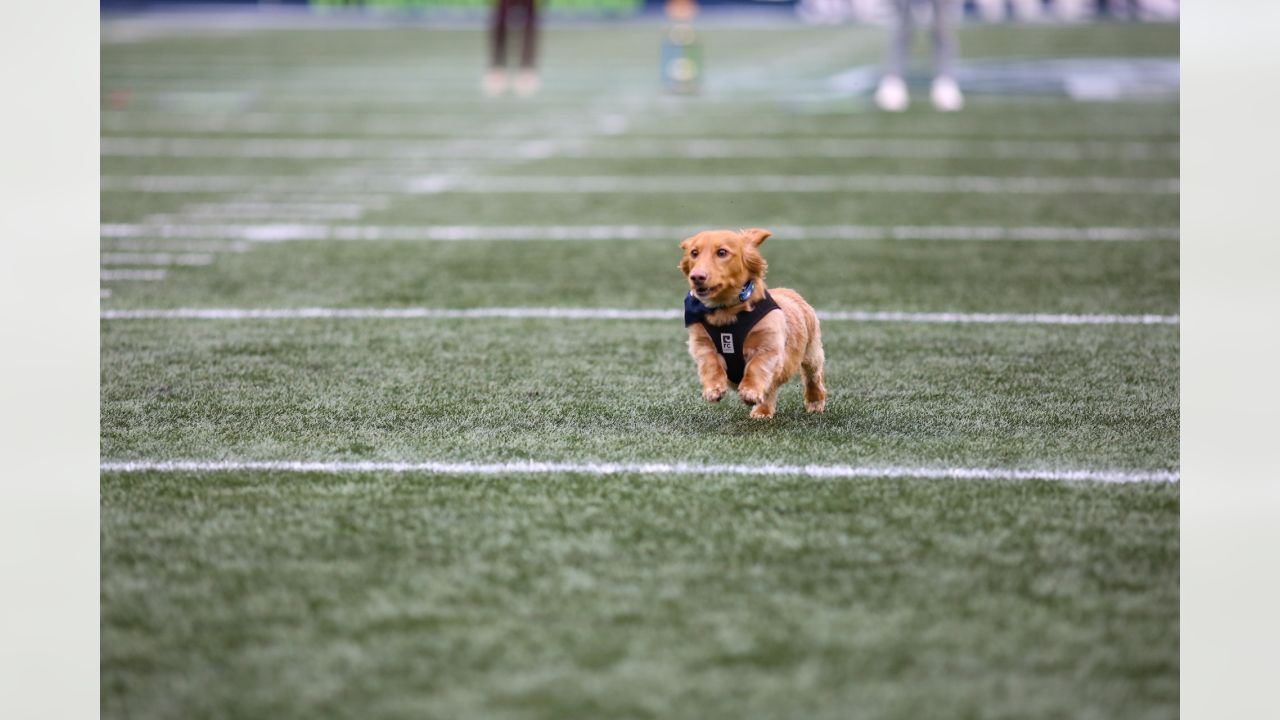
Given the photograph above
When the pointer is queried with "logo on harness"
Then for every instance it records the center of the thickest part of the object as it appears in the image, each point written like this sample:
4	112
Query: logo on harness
726	342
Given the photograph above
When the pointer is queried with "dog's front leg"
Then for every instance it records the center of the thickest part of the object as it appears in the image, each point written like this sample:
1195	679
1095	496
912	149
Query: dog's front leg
764	351
715	383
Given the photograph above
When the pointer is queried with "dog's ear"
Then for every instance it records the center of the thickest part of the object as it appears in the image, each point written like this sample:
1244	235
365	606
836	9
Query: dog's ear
756	236
686	263
755	264
753	261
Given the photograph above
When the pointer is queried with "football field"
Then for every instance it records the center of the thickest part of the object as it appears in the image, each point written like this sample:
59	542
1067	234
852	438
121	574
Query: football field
397	419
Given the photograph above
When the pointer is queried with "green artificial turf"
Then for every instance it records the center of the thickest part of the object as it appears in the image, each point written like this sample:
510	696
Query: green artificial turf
266	594
726	209
260	595
1120	277
565	390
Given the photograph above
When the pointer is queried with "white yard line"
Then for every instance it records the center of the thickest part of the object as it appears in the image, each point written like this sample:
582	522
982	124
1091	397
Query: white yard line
369	148
790	184
615	314
591	468
998	318
132	274
266	211
683	184
276	207
281	232
159	258
402	115
235	121
166	245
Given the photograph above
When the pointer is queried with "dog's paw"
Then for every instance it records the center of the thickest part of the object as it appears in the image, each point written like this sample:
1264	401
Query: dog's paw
713	394
816	406
761	412
750	396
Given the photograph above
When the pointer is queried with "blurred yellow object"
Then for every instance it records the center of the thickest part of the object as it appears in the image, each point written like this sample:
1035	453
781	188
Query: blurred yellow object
681	49
682	60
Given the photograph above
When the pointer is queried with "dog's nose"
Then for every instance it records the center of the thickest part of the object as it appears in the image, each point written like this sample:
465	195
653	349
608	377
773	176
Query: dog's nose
698	277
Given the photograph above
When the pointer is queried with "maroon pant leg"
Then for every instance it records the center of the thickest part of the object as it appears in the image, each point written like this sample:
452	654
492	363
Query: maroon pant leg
498	33
530	50
502	11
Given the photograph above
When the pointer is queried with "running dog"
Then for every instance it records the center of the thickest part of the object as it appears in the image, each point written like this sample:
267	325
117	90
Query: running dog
742	334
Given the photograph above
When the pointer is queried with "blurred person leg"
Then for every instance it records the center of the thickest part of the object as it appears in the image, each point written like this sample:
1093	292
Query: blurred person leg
1157	10
1073	10
1027	10
495	79
527	82
992	10
945	93
891	95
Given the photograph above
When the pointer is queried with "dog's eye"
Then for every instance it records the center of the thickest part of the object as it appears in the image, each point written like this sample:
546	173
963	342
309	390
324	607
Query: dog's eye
722	253
693	253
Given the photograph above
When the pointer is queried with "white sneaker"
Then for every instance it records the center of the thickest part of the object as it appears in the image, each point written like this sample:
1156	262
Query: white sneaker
946	94
494	83
527	83
892	96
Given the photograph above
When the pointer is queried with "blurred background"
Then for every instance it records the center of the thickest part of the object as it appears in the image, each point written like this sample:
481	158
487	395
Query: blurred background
228	125
862	10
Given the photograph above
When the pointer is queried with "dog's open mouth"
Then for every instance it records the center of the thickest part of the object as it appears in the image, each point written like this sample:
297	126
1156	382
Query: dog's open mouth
706	291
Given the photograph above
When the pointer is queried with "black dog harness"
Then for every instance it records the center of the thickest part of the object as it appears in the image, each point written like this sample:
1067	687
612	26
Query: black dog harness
729	339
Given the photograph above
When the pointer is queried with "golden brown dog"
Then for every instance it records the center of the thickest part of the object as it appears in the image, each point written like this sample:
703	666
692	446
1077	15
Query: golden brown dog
726	280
